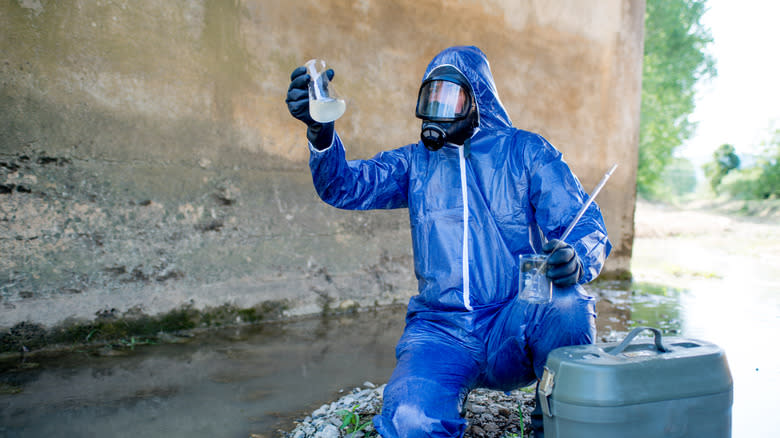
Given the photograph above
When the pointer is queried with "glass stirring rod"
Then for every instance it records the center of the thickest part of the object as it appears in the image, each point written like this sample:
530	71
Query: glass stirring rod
576	219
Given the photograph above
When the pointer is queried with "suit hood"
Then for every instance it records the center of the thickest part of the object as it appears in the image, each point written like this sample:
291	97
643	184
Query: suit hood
475	67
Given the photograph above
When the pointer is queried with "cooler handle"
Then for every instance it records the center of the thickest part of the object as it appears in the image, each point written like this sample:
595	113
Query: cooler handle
656	335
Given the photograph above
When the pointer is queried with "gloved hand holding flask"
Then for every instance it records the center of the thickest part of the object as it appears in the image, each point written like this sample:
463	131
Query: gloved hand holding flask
299	104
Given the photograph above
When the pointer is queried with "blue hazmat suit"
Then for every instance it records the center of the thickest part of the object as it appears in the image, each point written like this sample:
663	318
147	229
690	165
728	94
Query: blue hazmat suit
473	210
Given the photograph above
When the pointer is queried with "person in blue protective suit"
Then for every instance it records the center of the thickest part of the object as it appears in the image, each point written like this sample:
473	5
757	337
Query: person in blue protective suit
480	193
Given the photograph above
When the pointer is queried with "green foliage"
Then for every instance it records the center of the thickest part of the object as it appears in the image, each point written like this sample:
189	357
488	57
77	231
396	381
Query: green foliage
760	181
350	421
132	328
741	184
522	421
724	160
769	181
674	61
522	424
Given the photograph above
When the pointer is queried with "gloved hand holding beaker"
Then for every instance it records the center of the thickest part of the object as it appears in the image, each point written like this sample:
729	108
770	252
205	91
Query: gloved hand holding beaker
564	267
299	104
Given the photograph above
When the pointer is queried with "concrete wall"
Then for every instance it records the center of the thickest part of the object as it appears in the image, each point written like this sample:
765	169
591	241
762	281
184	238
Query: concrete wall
148	161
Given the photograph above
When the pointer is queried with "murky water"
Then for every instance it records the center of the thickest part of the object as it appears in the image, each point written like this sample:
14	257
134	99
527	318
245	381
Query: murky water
225	383
240	381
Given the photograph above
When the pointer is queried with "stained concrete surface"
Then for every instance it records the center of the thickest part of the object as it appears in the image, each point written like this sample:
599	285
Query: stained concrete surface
156	249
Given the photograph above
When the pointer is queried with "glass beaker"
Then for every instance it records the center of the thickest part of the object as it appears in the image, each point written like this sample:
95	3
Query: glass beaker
324	104
535	286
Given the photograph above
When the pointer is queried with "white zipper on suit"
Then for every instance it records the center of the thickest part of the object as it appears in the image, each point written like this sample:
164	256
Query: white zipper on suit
464	194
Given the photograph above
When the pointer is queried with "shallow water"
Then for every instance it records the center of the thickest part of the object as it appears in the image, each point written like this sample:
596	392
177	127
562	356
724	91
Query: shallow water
225	383
239	381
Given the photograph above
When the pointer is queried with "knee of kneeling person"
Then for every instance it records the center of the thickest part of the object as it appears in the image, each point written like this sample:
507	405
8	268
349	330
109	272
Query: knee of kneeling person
411	421
573	299
408	419
574	314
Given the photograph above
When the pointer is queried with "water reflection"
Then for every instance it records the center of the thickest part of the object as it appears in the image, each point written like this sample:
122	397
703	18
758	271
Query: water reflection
226	383
625	305
740	314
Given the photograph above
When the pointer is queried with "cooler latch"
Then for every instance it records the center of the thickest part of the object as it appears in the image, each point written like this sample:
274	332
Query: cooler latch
545	390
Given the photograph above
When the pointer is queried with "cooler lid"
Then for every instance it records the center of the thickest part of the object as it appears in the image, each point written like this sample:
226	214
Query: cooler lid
636	371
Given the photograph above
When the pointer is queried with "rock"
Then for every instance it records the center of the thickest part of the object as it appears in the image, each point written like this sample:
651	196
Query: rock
478	409
329	431
490	428
320	412
491	414
477	431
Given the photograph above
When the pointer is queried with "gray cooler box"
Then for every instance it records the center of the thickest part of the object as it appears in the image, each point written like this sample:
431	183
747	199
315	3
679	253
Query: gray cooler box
660	387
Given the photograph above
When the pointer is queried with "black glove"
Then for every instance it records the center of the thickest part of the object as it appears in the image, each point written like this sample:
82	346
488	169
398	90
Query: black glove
564	267
319	134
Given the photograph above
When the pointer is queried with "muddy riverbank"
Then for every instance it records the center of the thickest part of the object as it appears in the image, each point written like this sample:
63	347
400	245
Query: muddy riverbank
681	247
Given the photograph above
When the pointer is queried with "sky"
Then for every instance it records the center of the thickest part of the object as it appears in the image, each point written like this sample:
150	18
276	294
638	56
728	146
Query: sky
741	104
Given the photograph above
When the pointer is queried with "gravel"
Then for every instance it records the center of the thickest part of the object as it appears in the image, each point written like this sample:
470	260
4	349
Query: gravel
489	413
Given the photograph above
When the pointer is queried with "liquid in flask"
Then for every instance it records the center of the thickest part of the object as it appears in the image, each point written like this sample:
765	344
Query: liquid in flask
324	104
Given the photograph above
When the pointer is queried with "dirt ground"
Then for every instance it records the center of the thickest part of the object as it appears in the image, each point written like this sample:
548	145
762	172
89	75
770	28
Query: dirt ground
699	218
704	241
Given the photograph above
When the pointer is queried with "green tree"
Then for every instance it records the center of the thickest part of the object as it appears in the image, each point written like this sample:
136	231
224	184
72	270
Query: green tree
674	61
724	160
769	180
761	180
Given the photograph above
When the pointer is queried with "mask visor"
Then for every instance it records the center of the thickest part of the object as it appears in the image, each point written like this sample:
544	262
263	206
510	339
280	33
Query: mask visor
442	101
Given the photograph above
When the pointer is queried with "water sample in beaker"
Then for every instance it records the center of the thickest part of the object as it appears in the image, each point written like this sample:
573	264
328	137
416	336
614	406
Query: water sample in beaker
324	104
535	287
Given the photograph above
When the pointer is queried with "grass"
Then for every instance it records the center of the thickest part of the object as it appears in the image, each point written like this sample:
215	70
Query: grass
350	421
522	422
132	328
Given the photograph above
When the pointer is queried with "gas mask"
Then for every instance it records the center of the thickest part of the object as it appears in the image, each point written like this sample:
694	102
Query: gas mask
447	108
